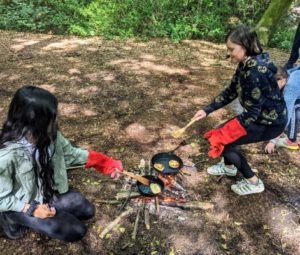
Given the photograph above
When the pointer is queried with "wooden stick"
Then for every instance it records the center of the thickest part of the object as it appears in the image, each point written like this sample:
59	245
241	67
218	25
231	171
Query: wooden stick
111	225
147	216
111	202
190	205
75	167
157	204
127	194
197	205
136	223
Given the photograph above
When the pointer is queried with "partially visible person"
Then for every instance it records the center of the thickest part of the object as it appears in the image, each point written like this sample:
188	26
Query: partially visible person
264	110
294	55
289	83
34	157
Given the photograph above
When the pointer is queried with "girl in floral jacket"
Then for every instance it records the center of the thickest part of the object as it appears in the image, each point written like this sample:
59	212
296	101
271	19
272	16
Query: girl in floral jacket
264	109
34	156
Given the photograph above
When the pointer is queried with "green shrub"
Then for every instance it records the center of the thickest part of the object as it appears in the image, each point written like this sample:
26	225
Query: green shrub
175	19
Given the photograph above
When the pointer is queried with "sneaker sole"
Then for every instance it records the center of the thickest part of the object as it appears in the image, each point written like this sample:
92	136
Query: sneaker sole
291	147
255	192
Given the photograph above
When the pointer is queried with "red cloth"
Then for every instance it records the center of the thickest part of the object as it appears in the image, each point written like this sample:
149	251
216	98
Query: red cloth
103	163
227	134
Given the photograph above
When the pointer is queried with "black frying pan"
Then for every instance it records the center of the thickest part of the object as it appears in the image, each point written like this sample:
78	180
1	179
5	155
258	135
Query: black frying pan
164	158
145	189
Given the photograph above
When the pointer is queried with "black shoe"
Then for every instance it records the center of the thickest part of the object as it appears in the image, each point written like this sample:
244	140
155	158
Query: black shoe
11	229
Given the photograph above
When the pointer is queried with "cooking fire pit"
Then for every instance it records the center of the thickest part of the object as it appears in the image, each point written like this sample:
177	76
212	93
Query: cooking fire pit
173	198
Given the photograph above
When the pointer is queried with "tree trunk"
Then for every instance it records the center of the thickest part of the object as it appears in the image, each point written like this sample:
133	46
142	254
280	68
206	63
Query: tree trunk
270	19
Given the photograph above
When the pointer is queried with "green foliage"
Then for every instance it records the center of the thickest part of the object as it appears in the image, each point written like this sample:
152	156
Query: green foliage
175	19
39	15
284	36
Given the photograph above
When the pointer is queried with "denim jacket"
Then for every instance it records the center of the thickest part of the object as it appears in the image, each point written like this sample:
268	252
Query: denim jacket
17	180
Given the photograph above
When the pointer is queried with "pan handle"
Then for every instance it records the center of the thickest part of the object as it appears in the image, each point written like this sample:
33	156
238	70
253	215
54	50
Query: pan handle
182	143
139	178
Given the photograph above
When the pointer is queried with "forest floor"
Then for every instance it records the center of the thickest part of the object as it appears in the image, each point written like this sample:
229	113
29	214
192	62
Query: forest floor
124	98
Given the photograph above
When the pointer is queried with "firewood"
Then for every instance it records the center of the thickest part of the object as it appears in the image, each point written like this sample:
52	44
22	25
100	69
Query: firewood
125	194
111	202
197	205
111	225
157	205
136	223
147	216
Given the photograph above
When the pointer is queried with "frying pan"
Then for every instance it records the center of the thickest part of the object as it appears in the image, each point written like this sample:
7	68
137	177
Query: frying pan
164	159
145	189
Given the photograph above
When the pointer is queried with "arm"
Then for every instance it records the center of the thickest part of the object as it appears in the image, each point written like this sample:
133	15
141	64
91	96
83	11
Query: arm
77	156
225	97
73	156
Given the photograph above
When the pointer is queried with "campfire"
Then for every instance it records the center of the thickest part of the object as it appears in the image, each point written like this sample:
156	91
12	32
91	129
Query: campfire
171	202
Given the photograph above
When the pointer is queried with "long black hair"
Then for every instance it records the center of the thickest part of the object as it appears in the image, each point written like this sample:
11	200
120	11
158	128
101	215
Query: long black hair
32	115
247	38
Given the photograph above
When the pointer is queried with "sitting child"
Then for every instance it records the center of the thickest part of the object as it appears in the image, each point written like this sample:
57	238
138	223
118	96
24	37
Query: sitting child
34	156
289	82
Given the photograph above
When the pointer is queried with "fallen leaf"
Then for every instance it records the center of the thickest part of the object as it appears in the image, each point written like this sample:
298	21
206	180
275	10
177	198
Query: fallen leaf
224	236
225	246
172	251
238	223
265	227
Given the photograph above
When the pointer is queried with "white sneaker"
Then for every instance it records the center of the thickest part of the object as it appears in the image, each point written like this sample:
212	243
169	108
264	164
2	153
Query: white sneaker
244	187
221	169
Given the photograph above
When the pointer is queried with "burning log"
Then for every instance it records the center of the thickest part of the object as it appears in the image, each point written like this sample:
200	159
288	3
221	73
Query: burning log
111	225
127	194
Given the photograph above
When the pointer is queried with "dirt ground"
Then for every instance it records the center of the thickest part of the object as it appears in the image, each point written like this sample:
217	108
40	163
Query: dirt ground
124	98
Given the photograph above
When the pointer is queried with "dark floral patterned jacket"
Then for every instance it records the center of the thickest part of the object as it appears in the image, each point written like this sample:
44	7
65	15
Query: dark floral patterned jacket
255	85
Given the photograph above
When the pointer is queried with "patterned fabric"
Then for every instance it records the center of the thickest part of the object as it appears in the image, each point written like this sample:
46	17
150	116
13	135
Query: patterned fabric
255	86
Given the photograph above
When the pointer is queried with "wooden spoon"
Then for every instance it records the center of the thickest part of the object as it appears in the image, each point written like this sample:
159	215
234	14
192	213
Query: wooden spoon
180	132
139	178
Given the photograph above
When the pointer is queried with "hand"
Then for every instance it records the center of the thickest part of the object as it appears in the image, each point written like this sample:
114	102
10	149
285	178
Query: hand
44	211
270	147
116	174
199	115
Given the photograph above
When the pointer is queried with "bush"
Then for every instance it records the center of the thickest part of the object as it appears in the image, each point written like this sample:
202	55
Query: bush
175	19
39	16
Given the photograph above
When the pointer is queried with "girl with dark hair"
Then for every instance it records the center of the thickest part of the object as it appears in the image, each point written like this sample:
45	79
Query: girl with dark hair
264	110
34	156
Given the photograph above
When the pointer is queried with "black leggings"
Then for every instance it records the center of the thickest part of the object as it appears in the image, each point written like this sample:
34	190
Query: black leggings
292	128
296	47
255	133
66	225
